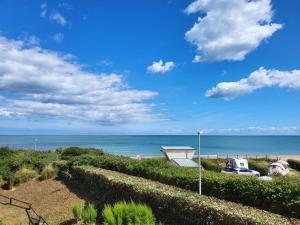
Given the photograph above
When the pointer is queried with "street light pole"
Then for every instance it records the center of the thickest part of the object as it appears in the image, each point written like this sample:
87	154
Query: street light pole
199	161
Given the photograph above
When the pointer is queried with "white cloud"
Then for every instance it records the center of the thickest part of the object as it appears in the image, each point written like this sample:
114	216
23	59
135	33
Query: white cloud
58	37
44	10
160	67
58	18
229	30
45	83
258	79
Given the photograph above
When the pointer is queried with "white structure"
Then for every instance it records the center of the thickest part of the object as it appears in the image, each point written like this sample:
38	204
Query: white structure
279	168
237	163
180	155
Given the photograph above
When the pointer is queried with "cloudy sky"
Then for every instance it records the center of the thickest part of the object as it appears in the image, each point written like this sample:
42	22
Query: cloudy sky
149	67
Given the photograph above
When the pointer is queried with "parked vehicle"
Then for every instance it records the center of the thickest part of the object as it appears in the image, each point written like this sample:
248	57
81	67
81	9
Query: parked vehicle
239	166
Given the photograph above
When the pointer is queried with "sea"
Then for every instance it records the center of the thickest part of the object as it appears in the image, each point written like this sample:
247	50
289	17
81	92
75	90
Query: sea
149	145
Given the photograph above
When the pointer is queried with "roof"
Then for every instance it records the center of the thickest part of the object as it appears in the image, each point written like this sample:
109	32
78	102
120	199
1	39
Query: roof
177	148
185	162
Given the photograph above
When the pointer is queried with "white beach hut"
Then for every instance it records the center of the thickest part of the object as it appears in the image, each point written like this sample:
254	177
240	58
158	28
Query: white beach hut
180	155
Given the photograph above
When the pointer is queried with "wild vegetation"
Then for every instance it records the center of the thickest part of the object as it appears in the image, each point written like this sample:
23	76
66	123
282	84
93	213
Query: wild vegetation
281	195
170	204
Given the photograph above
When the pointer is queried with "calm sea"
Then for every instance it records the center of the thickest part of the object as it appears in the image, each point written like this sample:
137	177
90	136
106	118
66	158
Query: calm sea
149	145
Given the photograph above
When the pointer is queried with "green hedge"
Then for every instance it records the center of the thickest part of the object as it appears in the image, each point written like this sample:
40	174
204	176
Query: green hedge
258	166
295	164
281	195
171	205
211	165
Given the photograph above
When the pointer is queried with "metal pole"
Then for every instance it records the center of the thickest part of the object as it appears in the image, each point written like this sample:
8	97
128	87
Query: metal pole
199	162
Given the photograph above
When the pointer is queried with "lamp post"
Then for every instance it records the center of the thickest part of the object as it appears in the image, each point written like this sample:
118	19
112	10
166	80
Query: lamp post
35	140
199	160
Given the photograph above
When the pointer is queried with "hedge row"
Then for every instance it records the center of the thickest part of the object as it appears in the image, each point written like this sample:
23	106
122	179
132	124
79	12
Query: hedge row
295	164
211	165
282	195
171	205
258	166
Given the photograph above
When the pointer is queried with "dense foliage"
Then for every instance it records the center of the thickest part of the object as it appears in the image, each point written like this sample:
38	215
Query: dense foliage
12	162
86	214
170	204
262	168
70	152
211	165
127	214
281	195
295	164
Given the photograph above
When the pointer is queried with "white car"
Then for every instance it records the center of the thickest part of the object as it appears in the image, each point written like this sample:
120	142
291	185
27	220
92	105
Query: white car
241	171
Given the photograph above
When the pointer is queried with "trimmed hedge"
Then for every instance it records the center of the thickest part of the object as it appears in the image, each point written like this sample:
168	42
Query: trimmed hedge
281	195
258	166
170	204
211	165
295	164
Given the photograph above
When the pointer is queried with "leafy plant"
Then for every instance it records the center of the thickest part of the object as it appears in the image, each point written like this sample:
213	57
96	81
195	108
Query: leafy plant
128	213
89	215
77	212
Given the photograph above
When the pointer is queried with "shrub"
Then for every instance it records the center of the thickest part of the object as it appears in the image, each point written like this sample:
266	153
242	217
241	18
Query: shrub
211	165
10	182
48	172
171	205
89	215
127	214
77	212
70	152
280	195
24	175
2	182
295	164
258	166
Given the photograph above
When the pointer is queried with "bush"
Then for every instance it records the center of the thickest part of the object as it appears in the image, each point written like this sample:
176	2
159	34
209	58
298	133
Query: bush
77	212
281	195
48	172
2	182
211	165
70	152
295	164
258	166
24	175
127	214
170	204
89	215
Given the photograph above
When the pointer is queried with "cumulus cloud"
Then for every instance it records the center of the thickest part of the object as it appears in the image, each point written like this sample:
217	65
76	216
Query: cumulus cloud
258	79
160	67
229	30
58	37
46	83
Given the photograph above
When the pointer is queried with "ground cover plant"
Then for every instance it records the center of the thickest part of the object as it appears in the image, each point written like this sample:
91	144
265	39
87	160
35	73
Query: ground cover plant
281	195
170	204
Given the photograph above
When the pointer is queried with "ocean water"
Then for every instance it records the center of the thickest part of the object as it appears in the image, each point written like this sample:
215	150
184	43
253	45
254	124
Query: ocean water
149	145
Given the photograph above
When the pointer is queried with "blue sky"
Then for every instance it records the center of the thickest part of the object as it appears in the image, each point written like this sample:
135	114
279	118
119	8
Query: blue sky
149	67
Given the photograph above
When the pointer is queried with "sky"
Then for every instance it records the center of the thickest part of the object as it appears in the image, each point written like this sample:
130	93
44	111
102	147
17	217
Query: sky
149	67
